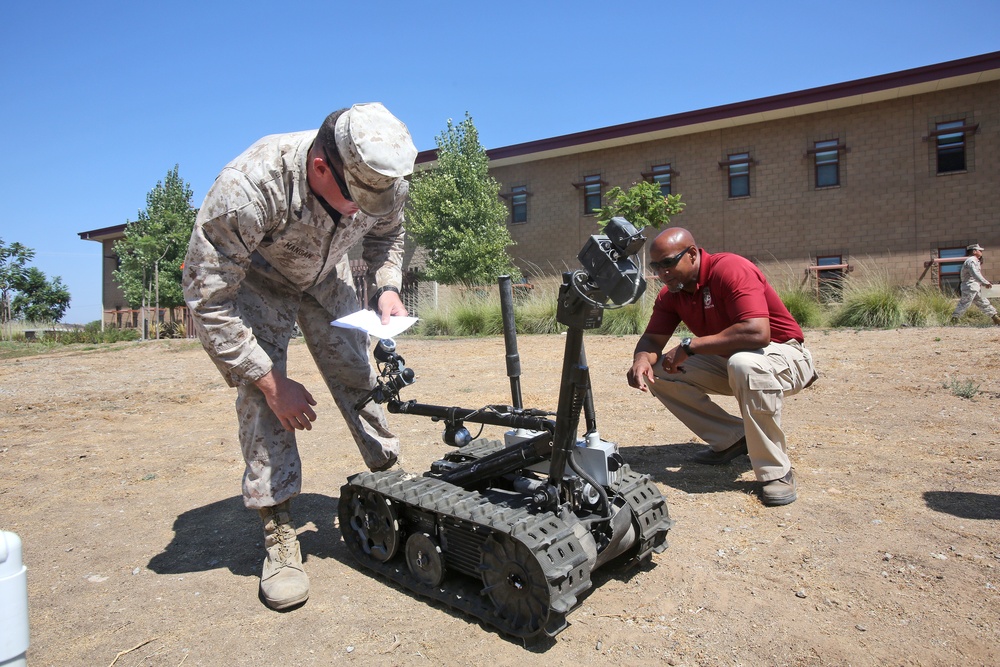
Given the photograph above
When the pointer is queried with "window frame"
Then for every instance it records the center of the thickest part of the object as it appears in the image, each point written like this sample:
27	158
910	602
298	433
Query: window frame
826	155
961	131
949	273
586	186
742	161
830	281
663	175
950	146
518	202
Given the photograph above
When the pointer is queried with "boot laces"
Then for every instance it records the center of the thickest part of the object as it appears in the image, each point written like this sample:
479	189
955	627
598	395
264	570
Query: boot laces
281	538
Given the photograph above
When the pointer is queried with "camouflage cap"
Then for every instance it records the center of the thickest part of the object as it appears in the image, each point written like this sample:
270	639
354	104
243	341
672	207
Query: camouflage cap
975	246
377	150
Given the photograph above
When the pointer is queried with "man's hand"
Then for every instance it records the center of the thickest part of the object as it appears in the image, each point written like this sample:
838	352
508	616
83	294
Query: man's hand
289	400
673	359
647	350
389	304
640	373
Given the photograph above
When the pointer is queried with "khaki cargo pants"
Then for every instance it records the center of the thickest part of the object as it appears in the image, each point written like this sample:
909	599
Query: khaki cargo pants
270	308
759	379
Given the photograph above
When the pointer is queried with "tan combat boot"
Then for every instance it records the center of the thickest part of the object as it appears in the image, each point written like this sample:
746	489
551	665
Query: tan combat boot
283	582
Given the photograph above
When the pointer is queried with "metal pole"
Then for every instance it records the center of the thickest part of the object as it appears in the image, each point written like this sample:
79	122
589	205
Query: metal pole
510	341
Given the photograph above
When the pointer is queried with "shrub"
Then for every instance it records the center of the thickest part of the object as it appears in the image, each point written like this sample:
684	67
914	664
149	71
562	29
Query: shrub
476	318
90	335
628	321
803	307
878	309
536	313
871	302
962	388
926	306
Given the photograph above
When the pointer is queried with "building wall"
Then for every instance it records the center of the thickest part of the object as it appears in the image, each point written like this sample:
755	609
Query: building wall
112	296
890	212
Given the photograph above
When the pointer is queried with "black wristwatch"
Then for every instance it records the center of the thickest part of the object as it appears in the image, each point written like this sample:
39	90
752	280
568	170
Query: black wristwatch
373	302
686	346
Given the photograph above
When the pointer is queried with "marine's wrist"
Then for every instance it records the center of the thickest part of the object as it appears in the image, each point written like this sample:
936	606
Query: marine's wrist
373	302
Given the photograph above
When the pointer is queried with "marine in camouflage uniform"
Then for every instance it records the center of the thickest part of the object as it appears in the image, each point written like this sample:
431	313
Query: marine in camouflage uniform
972	283
269	248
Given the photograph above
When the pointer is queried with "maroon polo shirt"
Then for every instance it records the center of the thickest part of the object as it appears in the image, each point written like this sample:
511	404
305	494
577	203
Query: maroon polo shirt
730	289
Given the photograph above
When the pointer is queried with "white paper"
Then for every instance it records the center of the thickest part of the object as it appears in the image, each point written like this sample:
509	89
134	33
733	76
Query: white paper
369	321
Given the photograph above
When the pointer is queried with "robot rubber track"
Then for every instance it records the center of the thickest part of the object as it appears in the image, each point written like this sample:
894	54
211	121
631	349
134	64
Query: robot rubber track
525	570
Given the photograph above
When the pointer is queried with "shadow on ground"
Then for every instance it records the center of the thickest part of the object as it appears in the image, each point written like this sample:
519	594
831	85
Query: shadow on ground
227	534
671	465
964	505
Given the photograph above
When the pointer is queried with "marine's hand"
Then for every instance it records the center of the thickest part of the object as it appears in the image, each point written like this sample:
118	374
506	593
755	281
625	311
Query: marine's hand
290	401
389	304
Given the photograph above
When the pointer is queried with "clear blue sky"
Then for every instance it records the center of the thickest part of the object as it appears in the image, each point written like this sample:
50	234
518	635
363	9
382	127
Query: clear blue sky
101	99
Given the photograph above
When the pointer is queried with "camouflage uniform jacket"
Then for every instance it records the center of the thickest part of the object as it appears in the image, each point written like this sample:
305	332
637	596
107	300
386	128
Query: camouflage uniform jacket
260	215
972	274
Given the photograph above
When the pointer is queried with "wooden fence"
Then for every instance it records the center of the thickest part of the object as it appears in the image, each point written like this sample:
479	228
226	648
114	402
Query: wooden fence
177	322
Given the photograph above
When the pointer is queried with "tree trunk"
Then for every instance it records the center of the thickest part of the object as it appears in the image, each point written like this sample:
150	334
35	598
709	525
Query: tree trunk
156	317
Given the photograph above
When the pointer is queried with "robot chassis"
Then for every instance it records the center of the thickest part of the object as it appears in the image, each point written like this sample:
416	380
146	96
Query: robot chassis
510	532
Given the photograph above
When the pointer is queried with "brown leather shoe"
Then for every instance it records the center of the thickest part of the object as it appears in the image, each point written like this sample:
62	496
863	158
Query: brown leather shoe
780	491
713	458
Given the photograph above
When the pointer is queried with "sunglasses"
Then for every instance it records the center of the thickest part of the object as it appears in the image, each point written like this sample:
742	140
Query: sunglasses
669	262
340	181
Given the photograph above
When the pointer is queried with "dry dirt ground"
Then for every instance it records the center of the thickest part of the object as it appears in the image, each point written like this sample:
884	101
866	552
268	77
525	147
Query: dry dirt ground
121	473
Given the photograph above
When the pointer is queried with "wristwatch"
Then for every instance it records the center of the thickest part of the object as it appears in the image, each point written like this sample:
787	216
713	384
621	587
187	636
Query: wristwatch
686	346
373	302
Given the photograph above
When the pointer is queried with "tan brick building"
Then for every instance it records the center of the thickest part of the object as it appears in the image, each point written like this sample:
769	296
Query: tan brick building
889	171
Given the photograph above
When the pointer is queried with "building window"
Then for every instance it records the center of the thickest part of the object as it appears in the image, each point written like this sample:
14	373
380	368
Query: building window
950	146
738	165
950	273
830	281
829	273
827	155
661	174
592	187
591	194
519	204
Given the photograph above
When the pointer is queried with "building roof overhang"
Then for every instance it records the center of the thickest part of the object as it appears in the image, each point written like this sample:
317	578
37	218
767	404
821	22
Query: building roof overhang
918	81
104	234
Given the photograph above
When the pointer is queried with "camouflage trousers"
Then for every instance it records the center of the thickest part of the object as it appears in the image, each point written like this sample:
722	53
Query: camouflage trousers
972	294
270	307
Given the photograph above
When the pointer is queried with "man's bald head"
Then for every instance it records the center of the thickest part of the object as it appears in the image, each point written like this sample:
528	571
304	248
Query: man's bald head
670	242
674	256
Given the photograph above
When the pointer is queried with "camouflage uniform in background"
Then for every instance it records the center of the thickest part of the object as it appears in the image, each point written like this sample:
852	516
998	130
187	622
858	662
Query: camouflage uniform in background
264	253
972	283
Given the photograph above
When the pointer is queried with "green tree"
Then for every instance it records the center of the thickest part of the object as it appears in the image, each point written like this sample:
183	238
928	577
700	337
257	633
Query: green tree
14	260
153	249
643	205
38	299
455	212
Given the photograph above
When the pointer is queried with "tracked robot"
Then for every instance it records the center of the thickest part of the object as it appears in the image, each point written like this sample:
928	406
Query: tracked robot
510	531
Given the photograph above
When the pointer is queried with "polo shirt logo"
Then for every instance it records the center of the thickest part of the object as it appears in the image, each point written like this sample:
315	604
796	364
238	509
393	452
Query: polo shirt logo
706	298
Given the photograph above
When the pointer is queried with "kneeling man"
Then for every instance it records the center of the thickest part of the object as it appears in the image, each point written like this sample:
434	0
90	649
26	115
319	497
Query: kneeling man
746	344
